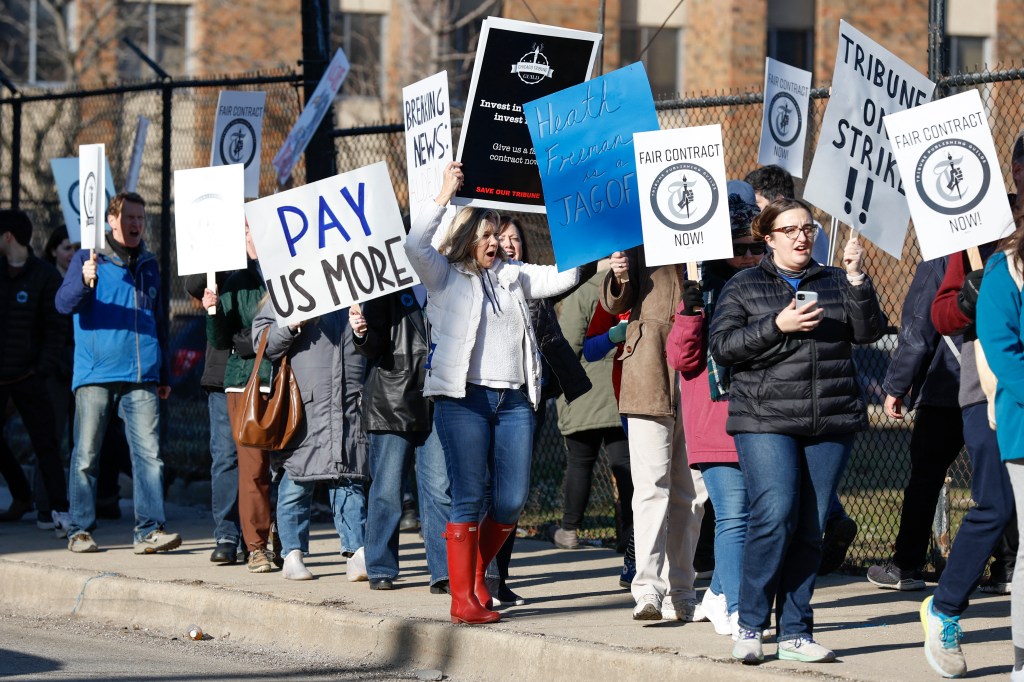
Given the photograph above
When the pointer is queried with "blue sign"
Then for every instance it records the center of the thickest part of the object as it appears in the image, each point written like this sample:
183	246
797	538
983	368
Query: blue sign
583	141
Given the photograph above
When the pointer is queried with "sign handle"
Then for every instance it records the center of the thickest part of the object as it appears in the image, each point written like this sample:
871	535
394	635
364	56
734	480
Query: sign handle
832	240
92	257
211	284
975	257
691	271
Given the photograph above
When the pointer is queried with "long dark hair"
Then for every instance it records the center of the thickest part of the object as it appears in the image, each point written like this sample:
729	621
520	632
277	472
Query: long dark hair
1015	242
50	250
524	250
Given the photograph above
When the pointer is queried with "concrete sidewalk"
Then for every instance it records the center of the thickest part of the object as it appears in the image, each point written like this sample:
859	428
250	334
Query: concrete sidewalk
576	624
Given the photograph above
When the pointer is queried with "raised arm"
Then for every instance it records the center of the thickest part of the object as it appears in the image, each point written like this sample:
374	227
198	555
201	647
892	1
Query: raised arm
431	266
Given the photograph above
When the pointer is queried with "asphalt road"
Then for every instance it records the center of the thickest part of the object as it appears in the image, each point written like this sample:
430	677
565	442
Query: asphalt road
70	649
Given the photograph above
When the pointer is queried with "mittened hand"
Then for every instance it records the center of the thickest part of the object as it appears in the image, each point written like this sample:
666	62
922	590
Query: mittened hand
693	299
617	334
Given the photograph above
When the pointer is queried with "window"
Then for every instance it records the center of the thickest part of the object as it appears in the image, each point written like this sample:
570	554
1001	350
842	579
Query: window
160	30
792	46
32	48
661	58
362	37
966	54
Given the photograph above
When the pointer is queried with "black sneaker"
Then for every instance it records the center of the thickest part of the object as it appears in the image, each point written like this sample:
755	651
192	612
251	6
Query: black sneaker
839	535
891	577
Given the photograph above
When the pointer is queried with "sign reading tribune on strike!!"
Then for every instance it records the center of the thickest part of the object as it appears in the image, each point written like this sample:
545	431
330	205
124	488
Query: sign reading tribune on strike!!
854	174
331	243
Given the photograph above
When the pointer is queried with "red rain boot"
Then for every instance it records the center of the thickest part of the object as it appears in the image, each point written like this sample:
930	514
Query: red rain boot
492	536
463	552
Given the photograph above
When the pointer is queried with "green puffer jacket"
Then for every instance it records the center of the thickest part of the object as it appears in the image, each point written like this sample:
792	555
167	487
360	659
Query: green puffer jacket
231	328
596	409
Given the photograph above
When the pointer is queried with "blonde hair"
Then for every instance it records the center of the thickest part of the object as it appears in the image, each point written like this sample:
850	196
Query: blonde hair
466	229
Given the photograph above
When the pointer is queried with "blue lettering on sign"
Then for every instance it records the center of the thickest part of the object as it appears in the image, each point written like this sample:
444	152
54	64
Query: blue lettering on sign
281	210
358	207
333	224
327	219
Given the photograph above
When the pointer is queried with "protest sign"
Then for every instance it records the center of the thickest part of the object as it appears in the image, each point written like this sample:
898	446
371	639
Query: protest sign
92	200
238	134
516	62
954	188
135	165
65	176
331	243
685	209
584	141
309	120
787	91
854	175
209	219
428	138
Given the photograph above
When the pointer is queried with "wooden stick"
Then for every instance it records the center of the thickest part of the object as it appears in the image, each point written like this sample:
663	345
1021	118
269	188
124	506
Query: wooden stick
211	284
974	256
92	257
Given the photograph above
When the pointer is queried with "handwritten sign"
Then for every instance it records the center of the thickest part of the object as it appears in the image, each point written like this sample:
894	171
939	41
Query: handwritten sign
65	176
583	137
209	219
428	138
854	174
954	187
309	120
92	200
238	134
516	62
787	91
331	243
685	209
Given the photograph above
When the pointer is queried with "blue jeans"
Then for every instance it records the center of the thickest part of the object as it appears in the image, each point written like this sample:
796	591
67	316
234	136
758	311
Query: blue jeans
983	523
139	409
223	471
728	494
488	431
391	455
295	505
790	484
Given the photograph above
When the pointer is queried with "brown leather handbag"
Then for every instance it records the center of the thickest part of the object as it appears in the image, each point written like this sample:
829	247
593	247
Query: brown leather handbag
268	422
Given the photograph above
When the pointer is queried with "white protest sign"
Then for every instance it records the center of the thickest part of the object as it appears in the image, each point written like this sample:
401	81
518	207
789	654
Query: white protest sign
684	213
209	219
309	120
428	139
65	176
954	187
238	134
331	243
135	165
92	200
854	175
787	91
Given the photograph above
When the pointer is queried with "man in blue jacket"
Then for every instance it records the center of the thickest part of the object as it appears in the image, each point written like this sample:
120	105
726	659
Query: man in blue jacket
114	294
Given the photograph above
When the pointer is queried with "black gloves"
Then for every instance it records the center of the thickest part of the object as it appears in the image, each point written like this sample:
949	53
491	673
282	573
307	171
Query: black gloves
693	300
967	299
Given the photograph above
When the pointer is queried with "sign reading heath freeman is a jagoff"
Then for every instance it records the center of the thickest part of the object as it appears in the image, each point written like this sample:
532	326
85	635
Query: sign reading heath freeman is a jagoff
331	243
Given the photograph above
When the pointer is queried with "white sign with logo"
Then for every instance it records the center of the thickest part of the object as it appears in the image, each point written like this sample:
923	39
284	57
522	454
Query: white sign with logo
428	138
209	219
854	174
309	120
238	133
65	176
954	186
787	91
92	200
684	213
331	243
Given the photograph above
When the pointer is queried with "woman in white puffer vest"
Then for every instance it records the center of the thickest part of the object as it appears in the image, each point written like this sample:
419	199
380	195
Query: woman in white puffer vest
484	373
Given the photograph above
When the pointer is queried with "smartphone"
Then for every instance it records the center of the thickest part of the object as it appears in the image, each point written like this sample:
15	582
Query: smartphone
805	297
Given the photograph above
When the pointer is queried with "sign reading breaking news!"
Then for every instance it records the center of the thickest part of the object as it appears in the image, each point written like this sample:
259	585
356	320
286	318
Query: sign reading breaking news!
92	200
428	138
65	176
209	219
309	120
787	91
854	174
516	62
238	134
944	149
685	206
331	243
584	141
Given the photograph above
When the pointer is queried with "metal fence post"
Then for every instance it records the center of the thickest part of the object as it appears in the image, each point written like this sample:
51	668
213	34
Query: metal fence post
16	152
167	94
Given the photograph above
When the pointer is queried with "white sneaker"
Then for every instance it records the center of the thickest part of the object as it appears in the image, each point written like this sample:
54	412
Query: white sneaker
748	647
294	567
648	607
806	650
355	569
157	540
61	523
677	608
715	608
734	625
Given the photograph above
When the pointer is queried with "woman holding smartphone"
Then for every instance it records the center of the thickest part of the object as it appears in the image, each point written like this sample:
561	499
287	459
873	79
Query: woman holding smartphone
794	408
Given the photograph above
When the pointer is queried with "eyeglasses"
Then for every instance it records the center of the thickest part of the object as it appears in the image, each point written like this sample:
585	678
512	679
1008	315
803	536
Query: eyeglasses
755	249
810	230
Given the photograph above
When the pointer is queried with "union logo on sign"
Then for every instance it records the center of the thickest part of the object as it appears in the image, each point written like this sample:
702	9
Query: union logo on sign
684	196
952	176
533	67
785	121
238	142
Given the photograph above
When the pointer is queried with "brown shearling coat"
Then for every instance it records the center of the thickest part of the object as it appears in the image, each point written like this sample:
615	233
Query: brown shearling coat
652	294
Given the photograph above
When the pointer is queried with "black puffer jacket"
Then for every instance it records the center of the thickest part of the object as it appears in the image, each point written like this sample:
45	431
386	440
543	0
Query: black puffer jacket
33	332
395	347
563	373
801	384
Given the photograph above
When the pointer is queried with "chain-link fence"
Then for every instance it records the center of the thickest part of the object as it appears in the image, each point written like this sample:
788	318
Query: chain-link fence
38	126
